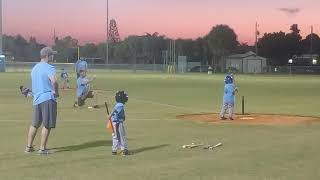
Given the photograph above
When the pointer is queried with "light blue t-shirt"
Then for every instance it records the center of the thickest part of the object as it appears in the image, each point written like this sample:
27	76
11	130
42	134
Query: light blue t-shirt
228	96
82	86
42	89
118	114
77	65
83	65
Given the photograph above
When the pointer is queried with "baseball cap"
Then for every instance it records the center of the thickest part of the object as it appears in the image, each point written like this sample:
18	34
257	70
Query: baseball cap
47	51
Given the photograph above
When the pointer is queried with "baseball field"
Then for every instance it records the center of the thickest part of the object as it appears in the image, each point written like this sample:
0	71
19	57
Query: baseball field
156	131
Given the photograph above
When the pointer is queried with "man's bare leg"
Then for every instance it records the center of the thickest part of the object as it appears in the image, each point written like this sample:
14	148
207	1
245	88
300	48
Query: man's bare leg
31	135
44	138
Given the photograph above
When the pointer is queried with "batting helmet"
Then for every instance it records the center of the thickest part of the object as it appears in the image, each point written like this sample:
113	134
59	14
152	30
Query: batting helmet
228	79
121	97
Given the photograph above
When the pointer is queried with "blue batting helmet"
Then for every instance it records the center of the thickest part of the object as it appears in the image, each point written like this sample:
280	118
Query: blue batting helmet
228	79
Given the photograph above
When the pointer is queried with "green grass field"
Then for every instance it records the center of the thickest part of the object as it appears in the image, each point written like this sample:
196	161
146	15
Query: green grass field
250	152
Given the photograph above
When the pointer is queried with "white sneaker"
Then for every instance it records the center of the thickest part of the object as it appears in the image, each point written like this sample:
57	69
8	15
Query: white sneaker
44	152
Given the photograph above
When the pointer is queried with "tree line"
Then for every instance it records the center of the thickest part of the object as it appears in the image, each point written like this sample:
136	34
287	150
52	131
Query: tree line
149	48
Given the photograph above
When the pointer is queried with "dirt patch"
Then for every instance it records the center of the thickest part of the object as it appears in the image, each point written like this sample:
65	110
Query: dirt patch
267	119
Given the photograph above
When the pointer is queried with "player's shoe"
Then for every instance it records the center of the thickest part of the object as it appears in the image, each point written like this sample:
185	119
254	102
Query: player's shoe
125	152
223	118
96	106
114	153
29	149
231	119
44	152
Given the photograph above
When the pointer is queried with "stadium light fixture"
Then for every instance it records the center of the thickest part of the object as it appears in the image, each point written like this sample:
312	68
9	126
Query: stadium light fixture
314	61
290	61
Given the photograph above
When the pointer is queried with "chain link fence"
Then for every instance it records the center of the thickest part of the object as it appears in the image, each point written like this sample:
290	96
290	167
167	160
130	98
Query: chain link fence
294	69
27	66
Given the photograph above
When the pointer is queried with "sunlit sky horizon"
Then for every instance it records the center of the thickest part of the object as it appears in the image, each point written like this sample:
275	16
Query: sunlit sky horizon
85	20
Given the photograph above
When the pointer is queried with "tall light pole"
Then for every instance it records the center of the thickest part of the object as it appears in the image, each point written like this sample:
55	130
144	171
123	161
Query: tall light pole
311	43
256	37
1	27
107	42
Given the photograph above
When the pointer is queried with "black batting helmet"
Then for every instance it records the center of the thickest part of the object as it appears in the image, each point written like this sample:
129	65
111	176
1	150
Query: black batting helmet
121	97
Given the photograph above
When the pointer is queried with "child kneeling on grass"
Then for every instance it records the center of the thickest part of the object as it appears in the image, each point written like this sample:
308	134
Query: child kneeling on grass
84	90
119	137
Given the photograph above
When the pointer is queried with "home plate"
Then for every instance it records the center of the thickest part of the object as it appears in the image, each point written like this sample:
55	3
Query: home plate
247	118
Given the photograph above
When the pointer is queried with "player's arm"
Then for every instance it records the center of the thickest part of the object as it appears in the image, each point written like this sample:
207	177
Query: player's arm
76	67
53	79
86	66
115	111
54	84
88	80
235	90
111	114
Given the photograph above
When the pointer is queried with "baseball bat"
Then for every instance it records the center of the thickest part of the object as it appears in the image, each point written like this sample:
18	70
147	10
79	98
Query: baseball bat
106	105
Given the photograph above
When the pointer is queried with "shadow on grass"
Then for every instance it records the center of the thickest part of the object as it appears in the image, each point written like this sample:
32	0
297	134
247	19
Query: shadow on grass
83	146
149	148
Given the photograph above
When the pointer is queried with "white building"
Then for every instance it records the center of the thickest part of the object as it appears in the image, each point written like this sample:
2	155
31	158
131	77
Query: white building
247	63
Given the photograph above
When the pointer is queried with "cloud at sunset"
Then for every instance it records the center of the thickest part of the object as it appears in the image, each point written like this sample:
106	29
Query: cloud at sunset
290	11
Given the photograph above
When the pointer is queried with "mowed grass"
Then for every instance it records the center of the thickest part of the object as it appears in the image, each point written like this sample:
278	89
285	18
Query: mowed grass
249	152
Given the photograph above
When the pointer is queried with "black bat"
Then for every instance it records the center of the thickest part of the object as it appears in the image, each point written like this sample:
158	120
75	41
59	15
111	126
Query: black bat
106	105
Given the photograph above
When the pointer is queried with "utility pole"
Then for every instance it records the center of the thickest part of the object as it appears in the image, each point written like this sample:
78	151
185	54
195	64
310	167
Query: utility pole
78	52
311	41
54	37
1	52
107	42
256	37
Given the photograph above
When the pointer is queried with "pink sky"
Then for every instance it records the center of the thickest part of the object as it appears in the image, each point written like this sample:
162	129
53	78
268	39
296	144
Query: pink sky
85	20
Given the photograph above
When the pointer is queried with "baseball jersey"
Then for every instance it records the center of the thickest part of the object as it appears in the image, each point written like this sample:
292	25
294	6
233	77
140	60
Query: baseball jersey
228	96
82	86
118	114
83	65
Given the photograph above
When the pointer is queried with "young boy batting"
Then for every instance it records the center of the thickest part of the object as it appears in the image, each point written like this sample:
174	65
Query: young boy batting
228	98
83	90
117	116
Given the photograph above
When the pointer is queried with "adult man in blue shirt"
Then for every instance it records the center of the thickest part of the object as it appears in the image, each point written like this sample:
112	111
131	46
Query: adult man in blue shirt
76	67
81	64
45	92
